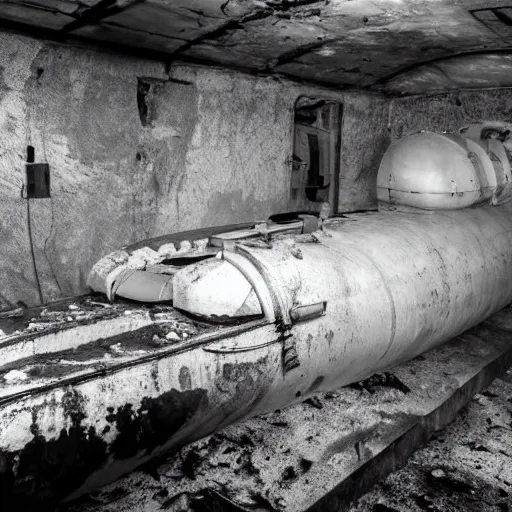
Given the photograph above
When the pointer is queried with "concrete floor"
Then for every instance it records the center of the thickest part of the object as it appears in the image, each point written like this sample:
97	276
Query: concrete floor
467	467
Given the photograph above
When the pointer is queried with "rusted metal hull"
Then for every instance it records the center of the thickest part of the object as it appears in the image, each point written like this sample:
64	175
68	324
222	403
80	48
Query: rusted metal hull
395	285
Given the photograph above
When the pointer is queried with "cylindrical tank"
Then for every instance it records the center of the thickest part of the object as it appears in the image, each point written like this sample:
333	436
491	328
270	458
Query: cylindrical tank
396	284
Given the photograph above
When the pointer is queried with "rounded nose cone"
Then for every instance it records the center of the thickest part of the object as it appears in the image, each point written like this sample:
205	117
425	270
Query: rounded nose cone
428	170
214	288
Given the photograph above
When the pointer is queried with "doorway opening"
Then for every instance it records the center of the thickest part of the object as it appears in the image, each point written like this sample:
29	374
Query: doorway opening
315	163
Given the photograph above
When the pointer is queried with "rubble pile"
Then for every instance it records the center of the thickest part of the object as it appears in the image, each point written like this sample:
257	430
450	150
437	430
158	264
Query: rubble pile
88	309
79	311
171	328
162	326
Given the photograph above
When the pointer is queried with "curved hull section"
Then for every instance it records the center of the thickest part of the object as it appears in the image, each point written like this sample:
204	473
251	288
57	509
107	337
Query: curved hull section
366	293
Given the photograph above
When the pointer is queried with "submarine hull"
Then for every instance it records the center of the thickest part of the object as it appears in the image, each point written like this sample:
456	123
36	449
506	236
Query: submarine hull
368	292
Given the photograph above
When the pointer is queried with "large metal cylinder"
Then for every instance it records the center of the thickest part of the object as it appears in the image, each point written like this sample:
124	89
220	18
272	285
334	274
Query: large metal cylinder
396	284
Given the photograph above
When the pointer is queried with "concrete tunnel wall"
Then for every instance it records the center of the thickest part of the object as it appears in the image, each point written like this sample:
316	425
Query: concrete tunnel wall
207	147
448	112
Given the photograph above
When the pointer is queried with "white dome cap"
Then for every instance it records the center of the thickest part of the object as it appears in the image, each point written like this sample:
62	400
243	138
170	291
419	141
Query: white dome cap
431	171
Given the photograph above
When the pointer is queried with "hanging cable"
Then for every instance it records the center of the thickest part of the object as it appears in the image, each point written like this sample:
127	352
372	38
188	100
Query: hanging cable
29	229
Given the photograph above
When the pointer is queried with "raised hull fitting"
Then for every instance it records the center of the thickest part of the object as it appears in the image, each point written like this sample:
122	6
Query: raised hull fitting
312	311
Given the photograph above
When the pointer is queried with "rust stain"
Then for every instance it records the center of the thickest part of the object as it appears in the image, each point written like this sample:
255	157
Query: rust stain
154	422
44	471
185	379
316	383
41	474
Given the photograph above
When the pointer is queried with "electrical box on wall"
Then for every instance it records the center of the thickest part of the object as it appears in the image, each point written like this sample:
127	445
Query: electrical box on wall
38	180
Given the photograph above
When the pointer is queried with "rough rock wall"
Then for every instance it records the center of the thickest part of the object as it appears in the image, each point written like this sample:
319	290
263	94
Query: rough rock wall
448	112
137	152
245	128
365	138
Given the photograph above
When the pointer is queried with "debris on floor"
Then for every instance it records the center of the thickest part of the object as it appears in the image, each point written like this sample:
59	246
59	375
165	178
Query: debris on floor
465	468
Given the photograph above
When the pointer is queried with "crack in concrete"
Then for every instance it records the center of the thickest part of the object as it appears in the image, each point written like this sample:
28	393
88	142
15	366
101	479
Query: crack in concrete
411	67
224	6
157	34
285	5
230	25
214	34
40	7
296	53
99	11
274	9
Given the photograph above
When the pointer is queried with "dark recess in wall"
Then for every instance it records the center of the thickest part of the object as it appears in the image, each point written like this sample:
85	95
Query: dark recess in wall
147	88
143	90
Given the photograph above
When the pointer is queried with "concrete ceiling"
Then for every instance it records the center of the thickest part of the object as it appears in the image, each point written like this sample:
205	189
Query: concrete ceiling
393	46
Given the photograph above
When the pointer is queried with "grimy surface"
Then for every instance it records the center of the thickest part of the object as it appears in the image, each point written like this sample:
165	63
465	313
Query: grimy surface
138	151
466	468
328	450
86	415
357	43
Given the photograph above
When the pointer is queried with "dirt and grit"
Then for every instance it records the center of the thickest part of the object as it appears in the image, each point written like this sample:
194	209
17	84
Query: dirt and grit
465	467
